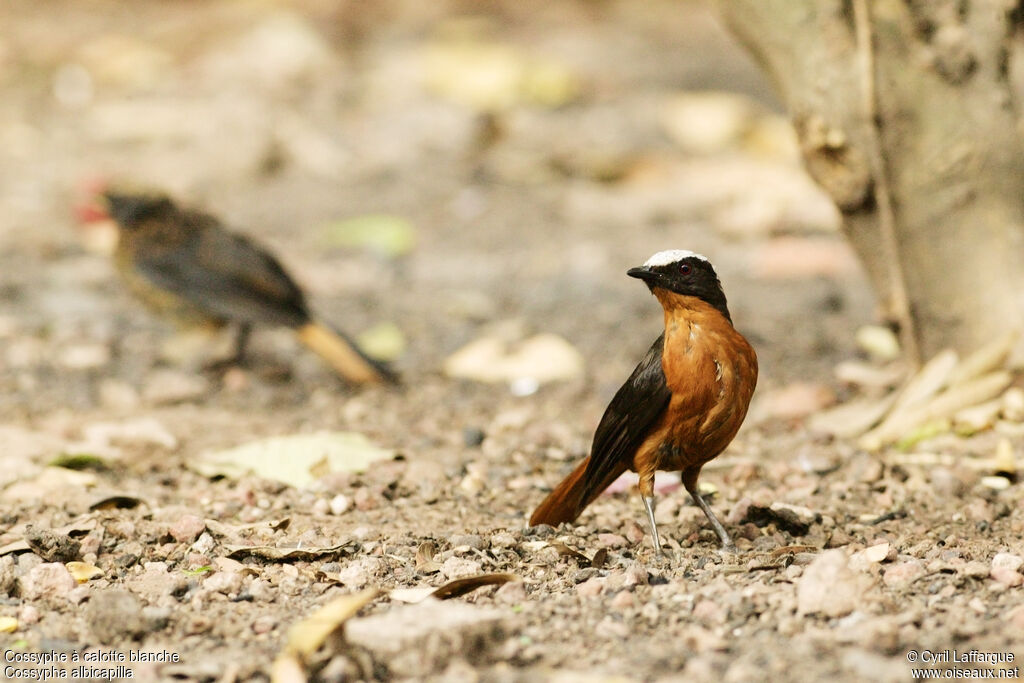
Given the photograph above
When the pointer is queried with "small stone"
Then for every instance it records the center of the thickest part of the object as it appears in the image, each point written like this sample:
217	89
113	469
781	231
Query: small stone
635	575
321	507
365	499
460	567
975	570
84	356
635	533
204	544
830	587
863	559
503	539
473	436
263	624
903	573
417	640
623	600
474	541
1013	404
611	541
228	583
360	572
1007	560
28	615
115	615
1007	577
187	528
591	587
340	504
47	580
511	593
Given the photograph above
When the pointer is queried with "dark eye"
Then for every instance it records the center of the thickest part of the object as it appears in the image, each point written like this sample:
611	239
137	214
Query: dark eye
685	269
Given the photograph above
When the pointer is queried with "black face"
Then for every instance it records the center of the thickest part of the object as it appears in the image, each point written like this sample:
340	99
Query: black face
690	276
131	209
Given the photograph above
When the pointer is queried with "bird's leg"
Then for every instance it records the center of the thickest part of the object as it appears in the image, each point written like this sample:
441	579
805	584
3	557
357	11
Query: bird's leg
690	482
241	341
646	485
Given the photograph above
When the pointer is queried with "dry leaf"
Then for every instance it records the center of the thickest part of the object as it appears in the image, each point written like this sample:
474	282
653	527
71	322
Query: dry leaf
83	571
566	551
119	502
460	587
297	460
425	558
541	358
274	554
306	636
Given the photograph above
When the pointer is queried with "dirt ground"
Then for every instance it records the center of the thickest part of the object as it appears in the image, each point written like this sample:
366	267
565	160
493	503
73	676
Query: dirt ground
528	203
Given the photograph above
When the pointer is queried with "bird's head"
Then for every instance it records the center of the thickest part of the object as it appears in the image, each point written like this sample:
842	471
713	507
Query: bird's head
685	273
106	208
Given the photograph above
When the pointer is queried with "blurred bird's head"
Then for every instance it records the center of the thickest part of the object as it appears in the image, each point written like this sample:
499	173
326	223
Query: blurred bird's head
108	208
683	272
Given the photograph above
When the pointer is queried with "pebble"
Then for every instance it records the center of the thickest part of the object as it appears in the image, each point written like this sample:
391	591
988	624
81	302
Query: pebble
263	624
187	528
635	575
417	640
1006	576
591	587
47	580
830	587
1007	560
511	593
468	540
28	615
340	504
903	573
366	499
607	540
228	583
623	600
864	559
360	572
975	569
204	544
459	567
115	615
635	533
1015	617
321	507
503	539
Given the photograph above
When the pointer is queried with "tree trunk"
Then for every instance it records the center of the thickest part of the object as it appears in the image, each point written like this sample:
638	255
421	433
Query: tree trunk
907	118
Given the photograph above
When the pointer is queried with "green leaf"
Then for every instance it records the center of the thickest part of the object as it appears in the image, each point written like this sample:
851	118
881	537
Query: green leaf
297	460
386	234
79	461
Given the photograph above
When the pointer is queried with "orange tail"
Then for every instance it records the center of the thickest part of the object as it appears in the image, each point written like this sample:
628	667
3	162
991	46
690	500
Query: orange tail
566	502
351	363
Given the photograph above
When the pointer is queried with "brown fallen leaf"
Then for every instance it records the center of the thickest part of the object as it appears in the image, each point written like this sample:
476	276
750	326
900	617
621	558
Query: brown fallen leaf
599	558
566	551
119	502
425	558
460	587
274	554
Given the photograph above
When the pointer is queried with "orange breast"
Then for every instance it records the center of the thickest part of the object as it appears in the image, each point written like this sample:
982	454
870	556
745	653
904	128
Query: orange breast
711	371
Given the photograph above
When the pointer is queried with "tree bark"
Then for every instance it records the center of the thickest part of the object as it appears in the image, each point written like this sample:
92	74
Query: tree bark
906	118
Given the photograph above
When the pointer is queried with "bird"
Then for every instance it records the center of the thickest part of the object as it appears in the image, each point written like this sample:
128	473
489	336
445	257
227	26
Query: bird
681	406
183	264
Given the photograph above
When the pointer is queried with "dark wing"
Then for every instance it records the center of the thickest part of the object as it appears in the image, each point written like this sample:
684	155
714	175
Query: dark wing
222	273
627	420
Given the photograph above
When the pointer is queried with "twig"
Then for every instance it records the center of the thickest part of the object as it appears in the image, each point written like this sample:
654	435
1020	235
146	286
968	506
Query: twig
883	195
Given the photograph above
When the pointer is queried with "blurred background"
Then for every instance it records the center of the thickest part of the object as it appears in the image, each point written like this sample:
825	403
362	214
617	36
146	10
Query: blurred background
431	166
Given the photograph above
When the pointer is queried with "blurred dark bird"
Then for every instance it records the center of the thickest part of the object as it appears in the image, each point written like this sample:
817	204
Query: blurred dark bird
186	266
683	403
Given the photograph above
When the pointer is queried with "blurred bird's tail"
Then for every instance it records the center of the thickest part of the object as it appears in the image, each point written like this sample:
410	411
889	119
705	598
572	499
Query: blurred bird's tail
570	497
343	355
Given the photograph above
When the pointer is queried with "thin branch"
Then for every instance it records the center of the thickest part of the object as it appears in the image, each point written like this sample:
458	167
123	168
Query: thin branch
883	195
